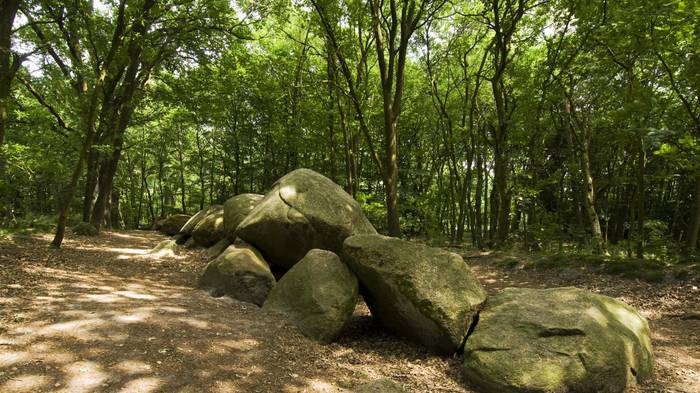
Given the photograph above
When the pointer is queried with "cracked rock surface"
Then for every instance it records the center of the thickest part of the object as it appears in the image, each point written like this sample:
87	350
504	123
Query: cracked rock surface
425	294
557	340
303	210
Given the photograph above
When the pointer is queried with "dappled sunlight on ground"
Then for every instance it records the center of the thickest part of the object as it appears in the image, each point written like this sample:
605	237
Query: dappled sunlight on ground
102	314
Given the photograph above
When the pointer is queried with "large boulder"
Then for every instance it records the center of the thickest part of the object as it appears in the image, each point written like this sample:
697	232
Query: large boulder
171	225
211	228
236	209
557	340
240	272
425	294
304	210
189	226
318	295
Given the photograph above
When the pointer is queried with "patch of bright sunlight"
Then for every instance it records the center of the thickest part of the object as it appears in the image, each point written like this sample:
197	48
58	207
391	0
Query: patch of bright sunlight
288	192
25	383
84	376
135	295
133	367
8	359
132	318
598	316
627	318
195	323
143	385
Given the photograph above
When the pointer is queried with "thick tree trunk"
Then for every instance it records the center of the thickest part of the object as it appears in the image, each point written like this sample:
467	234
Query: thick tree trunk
8	67
90	185
502	195
115	211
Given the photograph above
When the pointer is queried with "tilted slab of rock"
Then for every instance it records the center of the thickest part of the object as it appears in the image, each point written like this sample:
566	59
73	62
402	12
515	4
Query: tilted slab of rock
318	295
425	294
211	228
557	340
193	221
236	209
171	225
304	210
240	272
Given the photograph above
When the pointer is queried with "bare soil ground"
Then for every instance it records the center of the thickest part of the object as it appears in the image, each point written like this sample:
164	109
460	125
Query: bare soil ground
101	314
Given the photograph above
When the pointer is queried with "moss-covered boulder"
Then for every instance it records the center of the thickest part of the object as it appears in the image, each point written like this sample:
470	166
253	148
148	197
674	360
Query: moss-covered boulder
189	226
318	295
216	250
236	209
171	225
165	249
211	227
425	294
557	340
84	229
240	272
304	210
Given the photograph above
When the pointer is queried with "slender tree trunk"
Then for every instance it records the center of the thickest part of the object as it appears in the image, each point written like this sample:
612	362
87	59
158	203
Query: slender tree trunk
200	153
181	167
639	202
90	119
477	230
691	242
391	175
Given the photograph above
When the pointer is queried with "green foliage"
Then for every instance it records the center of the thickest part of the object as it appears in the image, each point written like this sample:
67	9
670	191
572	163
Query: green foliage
230	98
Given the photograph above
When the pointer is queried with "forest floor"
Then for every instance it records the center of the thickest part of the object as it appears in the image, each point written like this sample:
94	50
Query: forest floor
101	314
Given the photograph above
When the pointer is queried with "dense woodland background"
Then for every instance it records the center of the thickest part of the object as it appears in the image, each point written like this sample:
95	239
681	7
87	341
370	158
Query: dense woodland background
552	126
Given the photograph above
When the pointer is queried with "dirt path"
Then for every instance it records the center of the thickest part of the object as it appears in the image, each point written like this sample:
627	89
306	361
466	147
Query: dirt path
102	315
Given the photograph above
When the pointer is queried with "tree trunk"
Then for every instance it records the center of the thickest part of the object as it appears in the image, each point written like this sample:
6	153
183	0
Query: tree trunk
391	175
477	230
639	201
90	119
115	211
181	167
8	67
90	184
691	242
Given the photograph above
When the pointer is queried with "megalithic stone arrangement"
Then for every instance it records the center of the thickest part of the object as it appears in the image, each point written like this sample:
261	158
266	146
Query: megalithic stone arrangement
518	340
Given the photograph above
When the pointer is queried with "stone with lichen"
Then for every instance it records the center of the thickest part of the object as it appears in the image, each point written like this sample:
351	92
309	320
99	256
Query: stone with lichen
557	340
